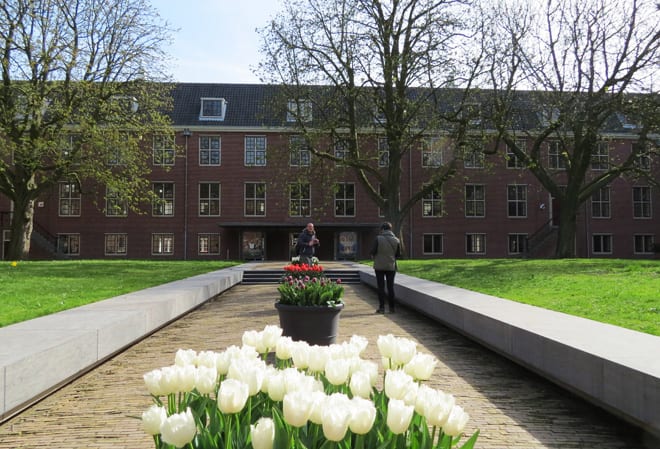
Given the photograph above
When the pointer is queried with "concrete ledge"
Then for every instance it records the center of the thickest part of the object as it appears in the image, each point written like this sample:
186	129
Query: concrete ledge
41	354
615	368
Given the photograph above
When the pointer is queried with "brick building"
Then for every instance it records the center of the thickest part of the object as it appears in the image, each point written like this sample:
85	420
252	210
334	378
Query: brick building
234	190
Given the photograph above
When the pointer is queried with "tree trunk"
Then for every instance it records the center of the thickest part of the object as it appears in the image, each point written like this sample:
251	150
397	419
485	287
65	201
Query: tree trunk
21	231
567	226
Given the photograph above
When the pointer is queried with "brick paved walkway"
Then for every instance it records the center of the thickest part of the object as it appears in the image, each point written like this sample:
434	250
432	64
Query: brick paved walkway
512	407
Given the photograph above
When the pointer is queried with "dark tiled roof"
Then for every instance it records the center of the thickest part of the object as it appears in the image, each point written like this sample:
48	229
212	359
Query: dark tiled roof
261	105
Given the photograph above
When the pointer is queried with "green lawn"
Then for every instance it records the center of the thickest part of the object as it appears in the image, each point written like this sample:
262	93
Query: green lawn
621	292
33	289
625	293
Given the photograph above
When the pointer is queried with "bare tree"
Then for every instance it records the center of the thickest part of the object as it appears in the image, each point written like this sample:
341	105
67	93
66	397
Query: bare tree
588	66
75	99
371	69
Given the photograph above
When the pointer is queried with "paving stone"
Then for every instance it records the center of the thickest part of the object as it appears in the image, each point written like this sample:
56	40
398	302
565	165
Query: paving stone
512	407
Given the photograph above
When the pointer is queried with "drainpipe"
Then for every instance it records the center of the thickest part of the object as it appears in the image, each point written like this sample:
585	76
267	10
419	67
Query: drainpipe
186	134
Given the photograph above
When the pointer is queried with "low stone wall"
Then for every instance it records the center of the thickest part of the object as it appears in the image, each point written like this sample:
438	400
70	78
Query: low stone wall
615	368
39	355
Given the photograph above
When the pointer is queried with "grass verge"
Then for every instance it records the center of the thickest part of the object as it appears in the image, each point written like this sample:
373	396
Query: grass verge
625	293
32	289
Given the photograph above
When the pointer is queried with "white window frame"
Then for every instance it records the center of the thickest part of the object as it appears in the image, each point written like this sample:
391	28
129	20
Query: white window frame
601	203
299	110
432	203
163	150
165	206
516	202
255	151
556	159
206	114
642	204
207	150
605	240
300	205
70	199
475	202
68	243
208	200
162	244
475	243
345	201
117	242
647	243
115	206
256	203
206	241
433	236
300	154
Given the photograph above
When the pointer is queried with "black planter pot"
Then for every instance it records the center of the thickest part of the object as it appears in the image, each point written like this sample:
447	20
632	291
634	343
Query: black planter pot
315	325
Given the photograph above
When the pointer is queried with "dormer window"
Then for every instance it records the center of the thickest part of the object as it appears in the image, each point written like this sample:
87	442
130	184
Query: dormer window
548	117
213	109
472	112
299	110
625	121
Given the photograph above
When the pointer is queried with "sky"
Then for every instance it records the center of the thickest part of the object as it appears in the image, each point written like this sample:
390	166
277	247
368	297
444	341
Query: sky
216	41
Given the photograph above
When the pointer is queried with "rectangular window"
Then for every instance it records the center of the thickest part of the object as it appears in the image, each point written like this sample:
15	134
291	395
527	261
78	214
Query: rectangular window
115	153
209	199
473	156
517	243
255	199
300	154
209	150
300	200
641	202
163	151
600	203
255	151
643	158
475	200
475	243
163	206
345	200
299	110
600	158
69	200
432	203
556	159
208	244
516	200
341	150
212	109
69	244
116	244
644	244
162	244
115	206
383	152
432	152
512	161
433	244
602	243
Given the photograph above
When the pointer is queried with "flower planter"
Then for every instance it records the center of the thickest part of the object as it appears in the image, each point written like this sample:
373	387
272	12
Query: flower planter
313	324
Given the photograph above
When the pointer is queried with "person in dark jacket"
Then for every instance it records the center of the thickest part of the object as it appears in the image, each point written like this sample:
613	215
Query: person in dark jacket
386	249
307	244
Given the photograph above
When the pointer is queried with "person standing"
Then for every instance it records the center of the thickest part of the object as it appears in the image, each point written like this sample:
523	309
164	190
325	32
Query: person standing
386	249
307	244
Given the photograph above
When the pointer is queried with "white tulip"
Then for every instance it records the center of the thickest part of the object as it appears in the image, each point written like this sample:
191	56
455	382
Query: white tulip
271	336
185	357
386	345
318	357
300	354
397	383
187	378
171	379
456	421
232	396
359	343
179	429
369	367
360	384
319	401
421	366
206	379
223	360
403	352
283	348
296	408
363	415
439	409
251	338
152	380
263	433
337	371
399	416
410	394
336	417
207	358
153	418
276	385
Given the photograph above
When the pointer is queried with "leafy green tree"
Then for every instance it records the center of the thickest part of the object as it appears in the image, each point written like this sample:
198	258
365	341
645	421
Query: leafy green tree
359	71
76	101
589	65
